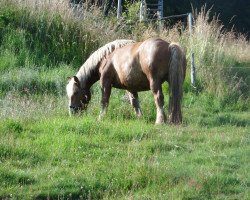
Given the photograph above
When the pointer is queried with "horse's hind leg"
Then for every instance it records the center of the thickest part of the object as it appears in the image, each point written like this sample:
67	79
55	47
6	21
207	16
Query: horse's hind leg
159	101
134	101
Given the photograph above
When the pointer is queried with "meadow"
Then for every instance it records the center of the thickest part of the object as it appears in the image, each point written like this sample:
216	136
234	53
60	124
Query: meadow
45	154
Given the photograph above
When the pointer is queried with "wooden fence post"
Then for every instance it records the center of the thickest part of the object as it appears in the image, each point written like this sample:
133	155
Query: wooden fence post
119	9
193	75
160	14
142	11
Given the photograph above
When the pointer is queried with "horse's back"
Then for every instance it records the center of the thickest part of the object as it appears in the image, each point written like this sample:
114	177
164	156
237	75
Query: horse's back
128	72
135	64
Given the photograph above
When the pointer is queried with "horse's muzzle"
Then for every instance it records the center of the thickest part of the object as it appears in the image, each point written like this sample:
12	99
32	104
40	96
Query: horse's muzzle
74	110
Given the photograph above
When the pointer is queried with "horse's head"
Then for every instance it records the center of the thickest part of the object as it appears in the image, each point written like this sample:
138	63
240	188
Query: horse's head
78	97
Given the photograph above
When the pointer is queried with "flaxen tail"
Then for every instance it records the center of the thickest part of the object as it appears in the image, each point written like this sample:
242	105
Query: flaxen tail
177	70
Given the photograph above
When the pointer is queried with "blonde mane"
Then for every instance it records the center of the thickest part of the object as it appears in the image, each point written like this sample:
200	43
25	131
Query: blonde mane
90	64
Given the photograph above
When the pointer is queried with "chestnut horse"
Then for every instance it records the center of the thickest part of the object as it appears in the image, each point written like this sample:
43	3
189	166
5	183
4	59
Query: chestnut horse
134	67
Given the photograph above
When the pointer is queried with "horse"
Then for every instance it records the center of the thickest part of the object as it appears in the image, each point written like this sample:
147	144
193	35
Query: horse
135	67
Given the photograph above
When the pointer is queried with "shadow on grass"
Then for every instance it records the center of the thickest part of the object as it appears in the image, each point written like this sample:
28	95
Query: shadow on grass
69	192
223	119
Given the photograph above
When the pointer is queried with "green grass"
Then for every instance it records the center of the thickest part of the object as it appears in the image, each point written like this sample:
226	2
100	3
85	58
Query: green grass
62	157
44	153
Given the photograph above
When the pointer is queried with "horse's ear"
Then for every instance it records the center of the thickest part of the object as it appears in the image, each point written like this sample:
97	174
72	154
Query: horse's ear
76	81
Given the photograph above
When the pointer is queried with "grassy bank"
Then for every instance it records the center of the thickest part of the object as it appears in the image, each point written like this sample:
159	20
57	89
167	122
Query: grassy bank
45	154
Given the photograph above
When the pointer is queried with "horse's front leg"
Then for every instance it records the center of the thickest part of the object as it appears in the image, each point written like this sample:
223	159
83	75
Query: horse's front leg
134	101
159	102
106	91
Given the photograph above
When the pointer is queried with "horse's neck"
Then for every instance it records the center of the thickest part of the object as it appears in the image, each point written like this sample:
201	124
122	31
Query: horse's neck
87	80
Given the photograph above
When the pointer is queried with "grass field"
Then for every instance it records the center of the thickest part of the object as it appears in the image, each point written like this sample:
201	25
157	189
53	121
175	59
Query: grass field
54	156
45	154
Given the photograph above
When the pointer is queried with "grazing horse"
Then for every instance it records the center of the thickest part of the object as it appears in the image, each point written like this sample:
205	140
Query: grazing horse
135	67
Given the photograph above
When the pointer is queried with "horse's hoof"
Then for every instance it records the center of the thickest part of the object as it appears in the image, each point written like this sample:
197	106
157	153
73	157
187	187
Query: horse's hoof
139	115
159	122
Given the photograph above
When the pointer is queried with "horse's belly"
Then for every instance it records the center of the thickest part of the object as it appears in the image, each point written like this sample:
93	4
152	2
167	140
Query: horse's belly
138	82
131	78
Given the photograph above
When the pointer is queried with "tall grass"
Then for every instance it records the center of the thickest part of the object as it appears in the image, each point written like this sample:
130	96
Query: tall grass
218	51
52	27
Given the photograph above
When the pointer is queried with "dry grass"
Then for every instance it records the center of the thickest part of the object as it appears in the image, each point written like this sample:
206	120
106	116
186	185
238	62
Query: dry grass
52	7
86	17
216	51
210	34
16	106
